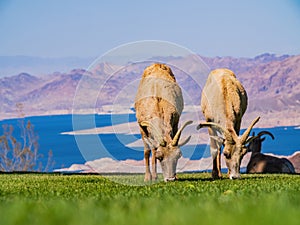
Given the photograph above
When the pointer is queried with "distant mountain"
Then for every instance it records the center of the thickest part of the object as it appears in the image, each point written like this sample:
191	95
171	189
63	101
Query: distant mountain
241	65
272	83
13	65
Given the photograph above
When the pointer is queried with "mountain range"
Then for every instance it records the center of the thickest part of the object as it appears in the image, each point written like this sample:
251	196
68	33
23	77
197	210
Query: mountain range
272	83
12	65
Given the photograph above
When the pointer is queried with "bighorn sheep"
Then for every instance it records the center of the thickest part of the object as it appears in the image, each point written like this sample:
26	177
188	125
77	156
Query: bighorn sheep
158	106
224	102
261	163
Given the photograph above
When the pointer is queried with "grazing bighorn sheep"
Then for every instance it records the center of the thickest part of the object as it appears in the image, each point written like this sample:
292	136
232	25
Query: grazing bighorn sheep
224	102
158	106
261	163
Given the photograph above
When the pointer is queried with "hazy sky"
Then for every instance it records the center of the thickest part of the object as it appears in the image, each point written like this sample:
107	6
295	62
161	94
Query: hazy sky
89	28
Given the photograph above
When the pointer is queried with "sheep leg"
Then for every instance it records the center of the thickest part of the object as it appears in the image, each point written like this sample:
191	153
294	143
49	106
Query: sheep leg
218	163
147	164
215	151
154	165
147	172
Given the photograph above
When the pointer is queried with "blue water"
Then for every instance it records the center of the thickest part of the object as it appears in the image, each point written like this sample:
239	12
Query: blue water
67	152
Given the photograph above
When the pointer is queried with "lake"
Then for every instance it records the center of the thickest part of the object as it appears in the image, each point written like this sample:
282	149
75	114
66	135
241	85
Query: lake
66	150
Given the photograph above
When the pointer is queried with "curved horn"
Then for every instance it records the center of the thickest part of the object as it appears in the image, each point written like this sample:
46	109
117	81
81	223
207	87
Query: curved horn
157	135
266	133
220	128
250	139
185	141
177	135
247	132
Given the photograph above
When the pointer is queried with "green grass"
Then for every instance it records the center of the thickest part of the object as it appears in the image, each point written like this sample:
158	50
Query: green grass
193	199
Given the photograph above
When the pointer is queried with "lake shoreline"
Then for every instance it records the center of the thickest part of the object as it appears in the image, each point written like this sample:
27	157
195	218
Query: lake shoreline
120	138
269	119
112	166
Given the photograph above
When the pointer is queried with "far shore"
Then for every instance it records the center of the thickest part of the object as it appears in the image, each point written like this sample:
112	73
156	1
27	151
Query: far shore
285	118
268	119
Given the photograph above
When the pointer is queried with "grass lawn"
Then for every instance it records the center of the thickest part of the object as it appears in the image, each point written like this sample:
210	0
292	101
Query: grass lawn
193	199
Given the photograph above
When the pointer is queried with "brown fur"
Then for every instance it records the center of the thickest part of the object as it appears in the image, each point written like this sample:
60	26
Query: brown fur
159	71
224	102
236	100
230	105
158	105
261	163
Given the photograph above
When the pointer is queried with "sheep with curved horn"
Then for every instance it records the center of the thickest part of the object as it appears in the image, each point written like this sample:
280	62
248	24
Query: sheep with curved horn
261	163
256	141
158	106
224	102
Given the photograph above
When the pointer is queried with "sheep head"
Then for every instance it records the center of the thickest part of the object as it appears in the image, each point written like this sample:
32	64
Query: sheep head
167	151
256	141
234	145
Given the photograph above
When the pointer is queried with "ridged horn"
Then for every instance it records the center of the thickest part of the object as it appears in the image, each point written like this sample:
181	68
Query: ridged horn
245	135
185	141
266	133
220	128
177	135
250	139
157	135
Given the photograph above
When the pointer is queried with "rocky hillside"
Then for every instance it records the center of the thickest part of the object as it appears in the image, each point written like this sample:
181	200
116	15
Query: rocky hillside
272	83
